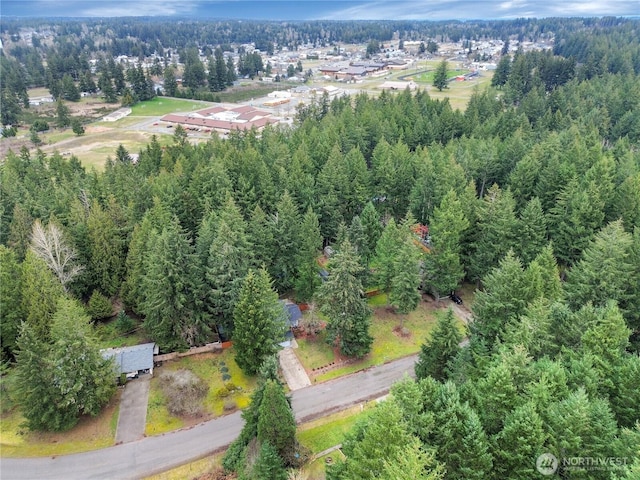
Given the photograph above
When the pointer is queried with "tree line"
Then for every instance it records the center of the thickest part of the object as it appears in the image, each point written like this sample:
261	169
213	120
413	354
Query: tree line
517	181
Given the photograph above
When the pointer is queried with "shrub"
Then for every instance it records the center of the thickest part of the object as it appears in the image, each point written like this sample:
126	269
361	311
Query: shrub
40	126
124	323
99	306
9	132
184	391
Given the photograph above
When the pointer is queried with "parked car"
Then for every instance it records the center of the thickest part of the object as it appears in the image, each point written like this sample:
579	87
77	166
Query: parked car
455	298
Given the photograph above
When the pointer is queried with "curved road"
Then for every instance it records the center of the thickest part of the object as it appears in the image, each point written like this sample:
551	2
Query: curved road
156	454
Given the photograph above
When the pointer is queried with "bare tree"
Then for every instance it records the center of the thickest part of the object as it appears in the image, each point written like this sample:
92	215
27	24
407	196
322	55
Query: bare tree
48	244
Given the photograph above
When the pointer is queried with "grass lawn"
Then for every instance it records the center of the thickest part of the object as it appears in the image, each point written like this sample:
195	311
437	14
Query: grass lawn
91	433
210	367
191	470
162	105
329	431
387	345
109	337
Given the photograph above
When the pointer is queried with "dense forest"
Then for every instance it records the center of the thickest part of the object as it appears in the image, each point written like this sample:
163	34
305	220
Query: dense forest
533	193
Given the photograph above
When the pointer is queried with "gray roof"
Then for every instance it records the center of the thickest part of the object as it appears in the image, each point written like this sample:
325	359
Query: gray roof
294	314
131	359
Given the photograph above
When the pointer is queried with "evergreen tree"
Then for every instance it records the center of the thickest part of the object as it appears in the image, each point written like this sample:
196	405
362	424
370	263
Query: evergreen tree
501	75
276	424
63	118
285	226
341	300
170	84
231	72
603	272
443	266
495	232
77	127
519	443
386	251
307	278
61	380
437	353
106	250
11	313
376	444
259	320
440	77
404	294
532	231
268	464
227	263
372	229
502	300
40	294
169	289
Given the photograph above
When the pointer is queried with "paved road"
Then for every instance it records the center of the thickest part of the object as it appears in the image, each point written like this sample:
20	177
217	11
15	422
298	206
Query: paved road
133	410
156	454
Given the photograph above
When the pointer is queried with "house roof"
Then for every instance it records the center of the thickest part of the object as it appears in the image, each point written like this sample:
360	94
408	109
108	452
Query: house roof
294	314
131	359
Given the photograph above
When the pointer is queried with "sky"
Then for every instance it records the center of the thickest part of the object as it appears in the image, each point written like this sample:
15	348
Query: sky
322	9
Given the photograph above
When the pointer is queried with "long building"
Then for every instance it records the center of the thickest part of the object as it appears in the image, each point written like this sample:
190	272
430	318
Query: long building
223	119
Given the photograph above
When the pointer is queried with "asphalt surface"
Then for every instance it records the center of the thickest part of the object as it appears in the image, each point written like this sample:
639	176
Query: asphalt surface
156	454
132	418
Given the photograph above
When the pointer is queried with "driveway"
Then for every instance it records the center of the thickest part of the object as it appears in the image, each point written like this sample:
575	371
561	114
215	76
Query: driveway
159	453
133	410
292	370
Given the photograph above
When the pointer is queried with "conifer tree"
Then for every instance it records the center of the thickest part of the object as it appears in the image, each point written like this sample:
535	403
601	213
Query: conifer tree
532	231
440	349
259	321
386	251
341	300
307	278
11	313
40	294
285	225
276	424
443	265
519	443
440	77
169	290
106	249
372	229
268	464
404	294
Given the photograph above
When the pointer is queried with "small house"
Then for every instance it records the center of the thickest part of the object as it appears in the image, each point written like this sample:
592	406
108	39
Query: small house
132	361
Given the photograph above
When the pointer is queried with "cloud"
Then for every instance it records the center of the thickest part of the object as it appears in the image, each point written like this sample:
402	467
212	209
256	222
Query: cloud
139	8
466	9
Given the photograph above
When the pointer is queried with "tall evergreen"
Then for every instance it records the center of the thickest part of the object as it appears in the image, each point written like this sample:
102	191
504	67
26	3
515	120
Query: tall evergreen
169	304
341	300
437	353
307	278
404	294
259	321
276	423
444	269
11	312
440	77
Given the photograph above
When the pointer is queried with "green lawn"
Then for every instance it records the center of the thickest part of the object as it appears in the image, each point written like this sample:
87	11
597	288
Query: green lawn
210	367
163	105
329	431
388	344
91	433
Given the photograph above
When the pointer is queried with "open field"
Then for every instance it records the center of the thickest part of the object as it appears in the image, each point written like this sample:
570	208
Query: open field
91	433
210	367
93	148
159	106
